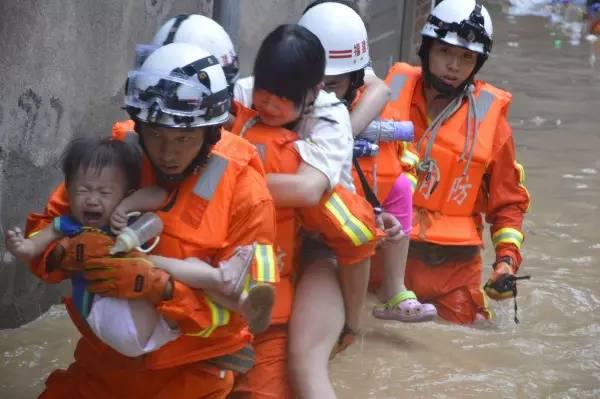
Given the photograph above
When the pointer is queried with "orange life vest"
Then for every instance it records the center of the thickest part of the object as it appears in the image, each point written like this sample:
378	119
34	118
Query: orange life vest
341	217
275	147
202	203
383	169
448	214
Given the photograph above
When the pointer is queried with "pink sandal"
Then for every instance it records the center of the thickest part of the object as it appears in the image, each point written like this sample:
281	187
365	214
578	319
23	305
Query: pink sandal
405	307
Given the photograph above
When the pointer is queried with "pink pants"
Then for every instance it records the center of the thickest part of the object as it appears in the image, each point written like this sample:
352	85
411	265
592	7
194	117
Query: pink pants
399	202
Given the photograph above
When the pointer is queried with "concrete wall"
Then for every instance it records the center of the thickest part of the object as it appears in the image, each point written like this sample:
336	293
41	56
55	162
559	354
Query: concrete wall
248	22
391	24
63	66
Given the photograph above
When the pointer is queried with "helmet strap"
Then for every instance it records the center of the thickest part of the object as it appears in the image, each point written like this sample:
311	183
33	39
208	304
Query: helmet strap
178	21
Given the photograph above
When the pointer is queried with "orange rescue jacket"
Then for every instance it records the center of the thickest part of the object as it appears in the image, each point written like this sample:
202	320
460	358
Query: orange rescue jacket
205	218
275	146
344	220
447	213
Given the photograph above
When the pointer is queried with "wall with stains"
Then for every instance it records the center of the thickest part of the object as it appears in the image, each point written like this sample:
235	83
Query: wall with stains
393	26
63	66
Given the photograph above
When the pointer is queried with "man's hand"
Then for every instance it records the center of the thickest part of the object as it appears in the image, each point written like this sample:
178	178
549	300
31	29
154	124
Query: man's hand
502	270
130	277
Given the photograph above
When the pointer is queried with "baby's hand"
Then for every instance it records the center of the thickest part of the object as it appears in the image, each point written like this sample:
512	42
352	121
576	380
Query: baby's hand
118	219
21	247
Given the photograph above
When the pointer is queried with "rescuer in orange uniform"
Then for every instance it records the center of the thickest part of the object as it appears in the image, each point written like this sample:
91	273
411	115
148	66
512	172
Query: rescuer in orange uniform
464	159
218	201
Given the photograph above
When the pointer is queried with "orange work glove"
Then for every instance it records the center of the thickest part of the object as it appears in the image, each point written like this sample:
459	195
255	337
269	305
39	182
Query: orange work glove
71	253
130	277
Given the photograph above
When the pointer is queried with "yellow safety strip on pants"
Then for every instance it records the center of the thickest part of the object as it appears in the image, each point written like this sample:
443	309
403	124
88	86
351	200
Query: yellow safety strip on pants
219	316
358	233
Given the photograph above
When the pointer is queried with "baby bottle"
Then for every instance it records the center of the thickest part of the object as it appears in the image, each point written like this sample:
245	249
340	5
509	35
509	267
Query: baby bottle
147	227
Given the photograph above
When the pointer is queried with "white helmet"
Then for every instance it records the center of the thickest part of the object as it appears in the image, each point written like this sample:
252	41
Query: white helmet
205	33
178	85
462	23
343	35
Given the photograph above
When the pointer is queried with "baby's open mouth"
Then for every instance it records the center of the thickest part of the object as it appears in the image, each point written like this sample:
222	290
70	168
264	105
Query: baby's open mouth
92	217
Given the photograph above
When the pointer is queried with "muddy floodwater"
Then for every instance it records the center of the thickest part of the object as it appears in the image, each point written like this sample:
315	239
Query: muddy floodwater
554	352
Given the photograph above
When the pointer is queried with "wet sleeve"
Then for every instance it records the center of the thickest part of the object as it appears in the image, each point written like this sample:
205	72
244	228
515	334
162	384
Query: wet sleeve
507	197
190	308
57	205
346	223
327	142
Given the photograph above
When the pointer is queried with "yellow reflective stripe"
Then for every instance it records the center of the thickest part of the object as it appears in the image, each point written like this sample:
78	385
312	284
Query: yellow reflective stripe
521	170
413	181
219	317
34	233
508	235
265	264
522	178
358	233
409	158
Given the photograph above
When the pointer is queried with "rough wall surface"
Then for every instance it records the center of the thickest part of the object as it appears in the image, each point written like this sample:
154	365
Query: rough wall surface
63	67
422	10
64	64
393	26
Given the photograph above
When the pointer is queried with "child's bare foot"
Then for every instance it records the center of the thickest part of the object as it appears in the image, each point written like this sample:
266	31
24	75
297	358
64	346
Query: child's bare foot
235	269
256	307
22	248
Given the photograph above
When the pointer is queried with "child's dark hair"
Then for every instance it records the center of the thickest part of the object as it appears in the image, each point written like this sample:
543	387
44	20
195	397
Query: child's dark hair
98	153
290	61
348	3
